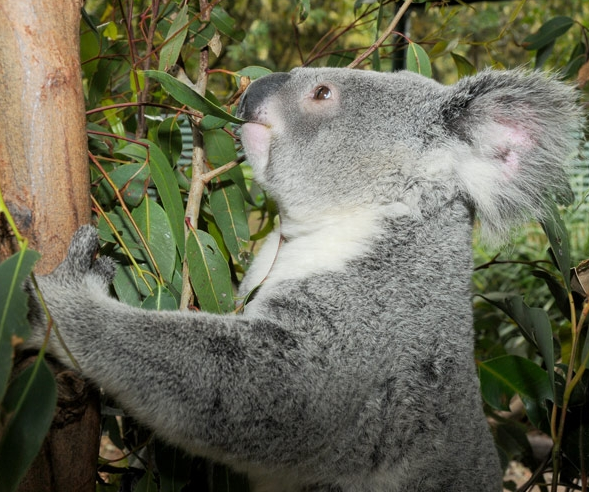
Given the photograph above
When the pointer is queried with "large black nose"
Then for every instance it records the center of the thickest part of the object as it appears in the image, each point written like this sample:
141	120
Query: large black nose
258	92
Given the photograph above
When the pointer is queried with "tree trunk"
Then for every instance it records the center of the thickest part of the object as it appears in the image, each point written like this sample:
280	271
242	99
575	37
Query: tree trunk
45	182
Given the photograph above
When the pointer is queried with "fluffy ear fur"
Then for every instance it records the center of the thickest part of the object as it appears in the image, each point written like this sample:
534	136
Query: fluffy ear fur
518	129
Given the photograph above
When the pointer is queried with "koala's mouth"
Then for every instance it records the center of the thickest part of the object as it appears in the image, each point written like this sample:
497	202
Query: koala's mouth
256	139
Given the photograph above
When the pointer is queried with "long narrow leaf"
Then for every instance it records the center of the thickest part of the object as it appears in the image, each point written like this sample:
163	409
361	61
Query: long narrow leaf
29	403
166	183
209	273
13	308
175	39
185	95
228	208
533	322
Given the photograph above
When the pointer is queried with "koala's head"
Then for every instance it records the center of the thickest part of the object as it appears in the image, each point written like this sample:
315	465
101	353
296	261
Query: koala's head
323	140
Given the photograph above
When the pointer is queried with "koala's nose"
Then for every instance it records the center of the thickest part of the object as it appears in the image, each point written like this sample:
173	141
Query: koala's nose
253	99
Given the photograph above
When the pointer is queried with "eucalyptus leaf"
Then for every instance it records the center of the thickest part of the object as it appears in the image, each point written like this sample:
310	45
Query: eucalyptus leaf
548	33
226	24
161	300
503	377
166	183
185	95
558	238
174	39
14	325
130	179
157	231
29	404
228	207
418	60
209	273
533	322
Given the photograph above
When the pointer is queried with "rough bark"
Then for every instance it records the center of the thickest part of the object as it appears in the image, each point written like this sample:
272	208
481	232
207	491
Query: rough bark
45	181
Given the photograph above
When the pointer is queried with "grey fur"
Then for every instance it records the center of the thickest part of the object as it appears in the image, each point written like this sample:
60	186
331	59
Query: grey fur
352	369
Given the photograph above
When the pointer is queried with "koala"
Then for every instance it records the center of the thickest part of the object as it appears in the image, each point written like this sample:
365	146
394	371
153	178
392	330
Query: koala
352	368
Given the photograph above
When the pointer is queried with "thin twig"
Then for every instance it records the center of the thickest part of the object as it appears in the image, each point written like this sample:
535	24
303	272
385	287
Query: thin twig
388	31
199	168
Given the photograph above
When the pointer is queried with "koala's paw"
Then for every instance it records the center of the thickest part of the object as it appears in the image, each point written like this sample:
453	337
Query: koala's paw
81	262
78	280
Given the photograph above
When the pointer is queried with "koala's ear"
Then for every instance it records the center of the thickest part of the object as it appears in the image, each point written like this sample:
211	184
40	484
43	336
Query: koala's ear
513	132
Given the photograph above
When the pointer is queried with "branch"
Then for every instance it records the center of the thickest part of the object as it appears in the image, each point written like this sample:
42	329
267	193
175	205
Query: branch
389	30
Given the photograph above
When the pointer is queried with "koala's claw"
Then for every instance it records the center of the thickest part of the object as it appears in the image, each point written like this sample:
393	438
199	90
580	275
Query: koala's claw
105	268
82	250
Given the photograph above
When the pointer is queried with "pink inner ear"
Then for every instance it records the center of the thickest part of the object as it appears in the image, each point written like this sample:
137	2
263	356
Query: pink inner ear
512	143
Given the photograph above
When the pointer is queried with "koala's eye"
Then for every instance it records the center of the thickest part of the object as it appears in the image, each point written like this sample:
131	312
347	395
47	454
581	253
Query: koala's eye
322	93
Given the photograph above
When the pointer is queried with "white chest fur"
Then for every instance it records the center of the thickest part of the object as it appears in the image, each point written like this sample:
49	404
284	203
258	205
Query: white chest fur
324	245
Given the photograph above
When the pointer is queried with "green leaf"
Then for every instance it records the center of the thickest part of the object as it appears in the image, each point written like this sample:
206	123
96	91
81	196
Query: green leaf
130	179
169	138
155	227
126	284
173	466
557	235
418	60
185	95
304	9
14	325
202	37
226	24
175	39
29	405
161	300
166	183
463	66
228	208
209	273
503	377
533	322
219	147
254	72
548	33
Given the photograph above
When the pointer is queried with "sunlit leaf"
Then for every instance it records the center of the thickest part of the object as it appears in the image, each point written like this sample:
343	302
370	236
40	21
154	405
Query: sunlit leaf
463	66
418	60
185	95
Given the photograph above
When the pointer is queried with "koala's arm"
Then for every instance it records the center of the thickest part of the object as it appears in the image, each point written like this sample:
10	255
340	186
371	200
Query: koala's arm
219	385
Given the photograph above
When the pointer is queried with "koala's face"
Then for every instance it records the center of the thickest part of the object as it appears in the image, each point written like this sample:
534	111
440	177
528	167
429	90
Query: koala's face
331	138
328	140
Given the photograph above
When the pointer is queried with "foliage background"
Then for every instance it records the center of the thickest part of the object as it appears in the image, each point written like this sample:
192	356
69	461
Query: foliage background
152	141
